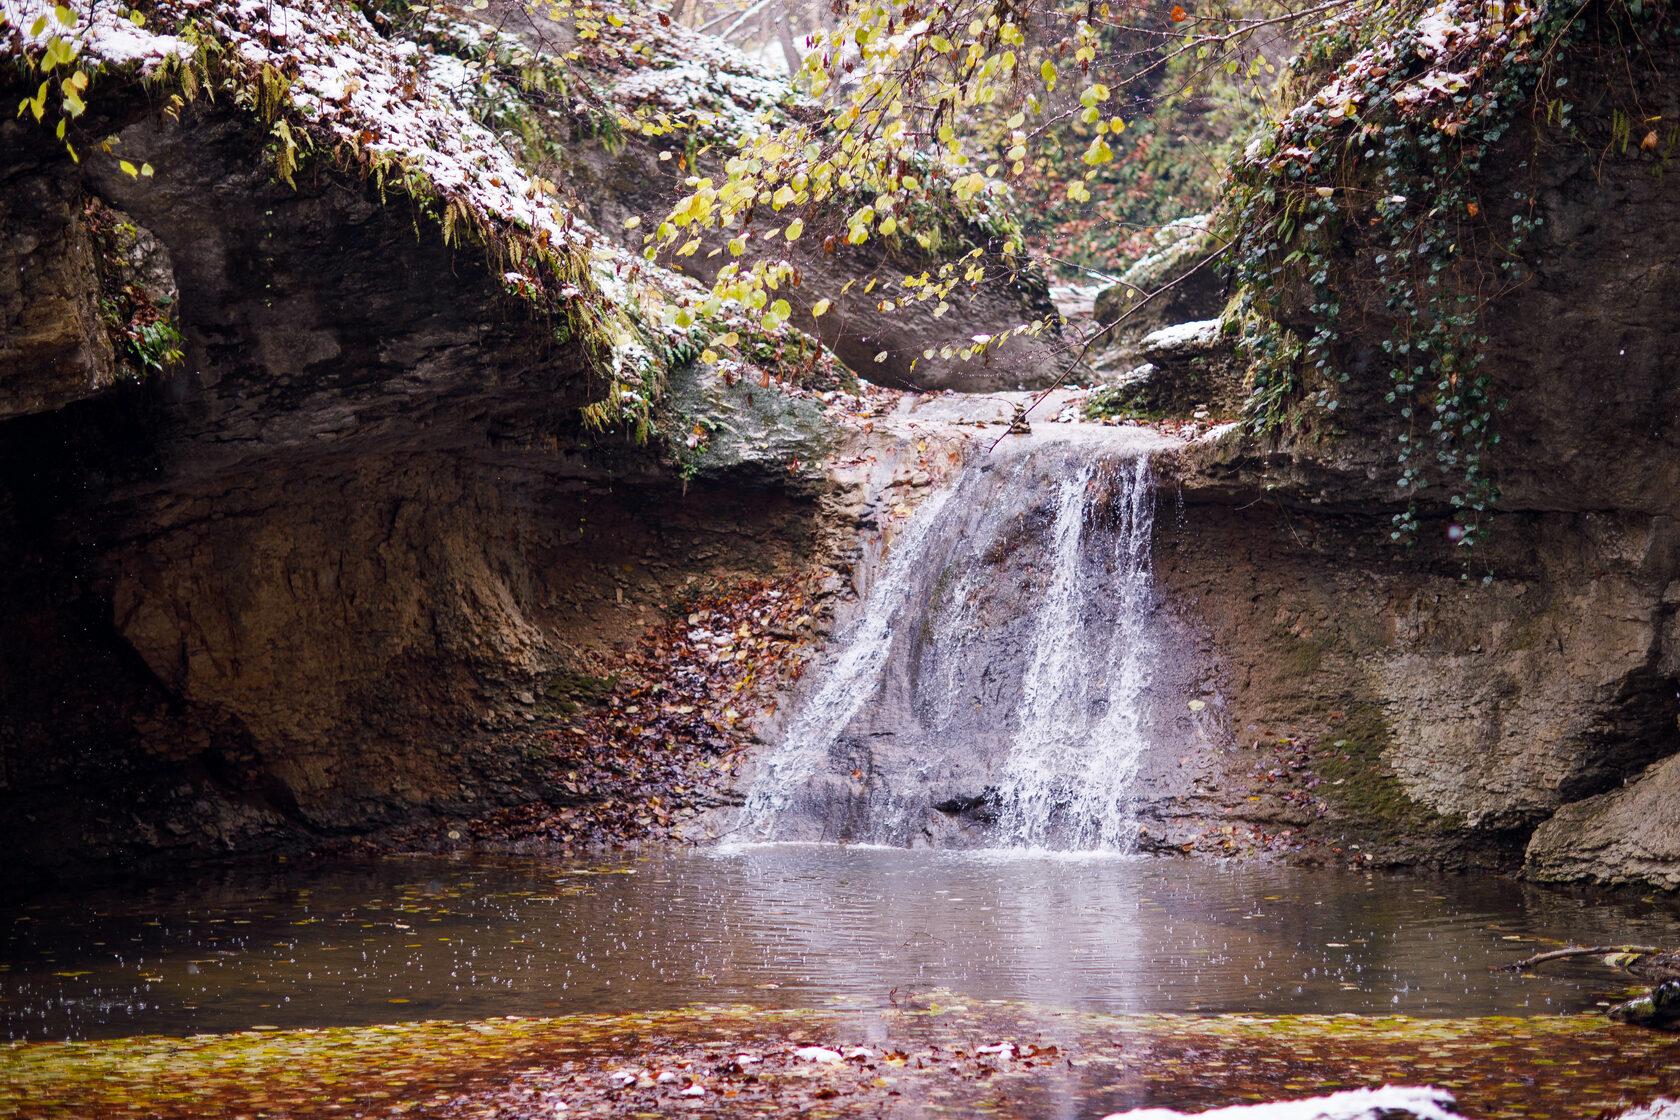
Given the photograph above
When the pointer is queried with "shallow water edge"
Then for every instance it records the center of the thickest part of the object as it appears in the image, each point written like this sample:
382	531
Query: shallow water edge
940	1055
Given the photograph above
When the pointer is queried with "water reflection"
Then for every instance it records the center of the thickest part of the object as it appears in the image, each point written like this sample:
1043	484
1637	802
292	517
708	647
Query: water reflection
788	926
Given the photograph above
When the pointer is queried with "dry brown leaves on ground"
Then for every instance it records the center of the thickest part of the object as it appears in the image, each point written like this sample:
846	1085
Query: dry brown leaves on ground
670	717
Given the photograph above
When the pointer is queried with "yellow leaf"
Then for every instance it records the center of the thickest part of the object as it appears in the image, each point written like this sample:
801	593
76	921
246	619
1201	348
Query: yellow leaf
794	229
632	223
819	309
708	355
129	169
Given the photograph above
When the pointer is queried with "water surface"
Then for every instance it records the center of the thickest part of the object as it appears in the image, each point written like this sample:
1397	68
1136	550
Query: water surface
791	926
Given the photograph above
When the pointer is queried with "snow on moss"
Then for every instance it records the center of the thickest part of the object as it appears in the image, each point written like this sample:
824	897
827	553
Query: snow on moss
1452	46
700	80
401	106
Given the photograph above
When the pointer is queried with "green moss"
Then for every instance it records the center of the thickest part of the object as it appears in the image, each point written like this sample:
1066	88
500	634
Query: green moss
1303	658
1120	402
1357	781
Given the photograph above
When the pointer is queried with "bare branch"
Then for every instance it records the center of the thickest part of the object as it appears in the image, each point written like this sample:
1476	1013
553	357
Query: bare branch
1572	951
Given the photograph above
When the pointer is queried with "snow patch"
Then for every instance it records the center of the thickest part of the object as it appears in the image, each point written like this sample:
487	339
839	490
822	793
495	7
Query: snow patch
1201	333
1353	1104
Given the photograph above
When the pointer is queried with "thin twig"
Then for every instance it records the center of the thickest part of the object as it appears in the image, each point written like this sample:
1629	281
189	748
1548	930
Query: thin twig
1572	951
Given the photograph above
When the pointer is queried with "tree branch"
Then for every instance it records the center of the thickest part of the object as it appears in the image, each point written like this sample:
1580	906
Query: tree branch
1572	951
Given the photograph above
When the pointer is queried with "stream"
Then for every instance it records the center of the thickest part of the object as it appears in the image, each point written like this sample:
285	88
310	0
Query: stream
791	926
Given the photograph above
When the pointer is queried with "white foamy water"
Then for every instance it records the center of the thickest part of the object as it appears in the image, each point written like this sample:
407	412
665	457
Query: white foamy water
1068	780
989	691
851	679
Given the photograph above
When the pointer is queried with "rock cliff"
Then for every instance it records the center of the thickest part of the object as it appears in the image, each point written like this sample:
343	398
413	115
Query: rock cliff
1458	718
307	578
303	583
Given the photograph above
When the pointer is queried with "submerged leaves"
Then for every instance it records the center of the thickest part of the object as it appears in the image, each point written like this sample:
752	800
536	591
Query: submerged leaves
951	1057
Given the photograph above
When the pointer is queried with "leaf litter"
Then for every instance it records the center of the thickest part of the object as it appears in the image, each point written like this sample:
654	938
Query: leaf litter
636	748
935	1055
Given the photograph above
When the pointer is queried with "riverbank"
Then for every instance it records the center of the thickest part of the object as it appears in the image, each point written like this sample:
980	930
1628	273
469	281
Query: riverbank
938	1055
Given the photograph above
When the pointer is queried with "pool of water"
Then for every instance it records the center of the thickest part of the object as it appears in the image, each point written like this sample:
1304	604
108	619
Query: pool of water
479	936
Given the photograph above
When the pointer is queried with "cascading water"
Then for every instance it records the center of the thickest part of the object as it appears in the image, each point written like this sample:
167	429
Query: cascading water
1067	782
994	689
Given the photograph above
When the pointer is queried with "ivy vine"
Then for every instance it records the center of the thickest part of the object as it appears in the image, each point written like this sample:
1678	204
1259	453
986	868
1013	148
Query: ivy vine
1375	186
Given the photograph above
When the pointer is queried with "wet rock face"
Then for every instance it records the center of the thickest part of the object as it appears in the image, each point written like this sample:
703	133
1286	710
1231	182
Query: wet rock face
1009	676
53	348
1484	711
289	591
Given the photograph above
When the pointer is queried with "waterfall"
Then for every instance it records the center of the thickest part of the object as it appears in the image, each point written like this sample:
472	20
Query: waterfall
993	688
1067	782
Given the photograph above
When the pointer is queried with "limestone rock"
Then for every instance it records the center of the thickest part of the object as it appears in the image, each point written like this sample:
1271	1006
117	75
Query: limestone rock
742	429
53	345
1628	835
1179	257
1182	368
287	591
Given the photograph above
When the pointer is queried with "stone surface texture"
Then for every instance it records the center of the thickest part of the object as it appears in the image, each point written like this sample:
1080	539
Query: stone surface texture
292	591
1482	711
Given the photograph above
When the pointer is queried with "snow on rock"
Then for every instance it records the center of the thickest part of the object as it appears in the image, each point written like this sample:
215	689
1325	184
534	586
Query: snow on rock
1663	1108
1353	1104
700	80
1218	432
1197	335
726	101
106	36
1457	40
394	100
